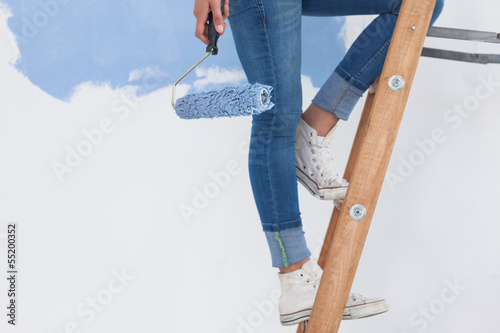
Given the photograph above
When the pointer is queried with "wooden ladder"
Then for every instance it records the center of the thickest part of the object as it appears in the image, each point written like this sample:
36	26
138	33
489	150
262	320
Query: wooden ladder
366	168
371	152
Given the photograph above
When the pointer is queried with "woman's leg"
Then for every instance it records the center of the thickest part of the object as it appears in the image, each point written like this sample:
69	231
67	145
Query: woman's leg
363	62
337	97
267	35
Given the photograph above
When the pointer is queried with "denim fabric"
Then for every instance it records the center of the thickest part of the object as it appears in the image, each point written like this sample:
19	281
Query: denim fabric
267	34
287	246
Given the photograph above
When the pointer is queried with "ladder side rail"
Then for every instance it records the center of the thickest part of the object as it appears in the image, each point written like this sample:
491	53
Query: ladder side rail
370	165
360	133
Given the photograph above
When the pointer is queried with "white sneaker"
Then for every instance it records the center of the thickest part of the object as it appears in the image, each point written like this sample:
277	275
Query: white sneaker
298	291
314	164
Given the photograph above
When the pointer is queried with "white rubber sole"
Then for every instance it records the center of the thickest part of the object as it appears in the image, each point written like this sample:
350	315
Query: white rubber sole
366	310
325	193
295	318
351	312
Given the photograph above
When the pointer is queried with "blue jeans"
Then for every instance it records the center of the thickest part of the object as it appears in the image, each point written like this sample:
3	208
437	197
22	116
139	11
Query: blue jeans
267	34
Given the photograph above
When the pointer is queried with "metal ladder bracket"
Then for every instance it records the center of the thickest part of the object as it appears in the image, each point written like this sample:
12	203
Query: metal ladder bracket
467	35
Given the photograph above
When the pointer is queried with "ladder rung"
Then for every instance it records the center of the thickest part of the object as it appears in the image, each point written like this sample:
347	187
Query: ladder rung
479	58
462	34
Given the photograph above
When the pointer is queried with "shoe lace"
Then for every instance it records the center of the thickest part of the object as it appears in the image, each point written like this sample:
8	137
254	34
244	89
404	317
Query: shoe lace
355	297
313	280
322	159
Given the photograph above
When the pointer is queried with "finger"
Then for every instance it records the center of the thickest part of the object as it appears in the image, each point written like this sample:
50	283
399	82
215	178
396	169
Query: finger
205	33
217	14
226	9
224	25
201	10
201	30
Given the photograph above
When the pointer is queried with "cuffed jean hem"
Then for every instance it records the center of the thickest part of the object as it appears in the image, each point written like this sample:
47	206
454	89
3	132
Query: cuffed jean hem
338	96
287	246
282	225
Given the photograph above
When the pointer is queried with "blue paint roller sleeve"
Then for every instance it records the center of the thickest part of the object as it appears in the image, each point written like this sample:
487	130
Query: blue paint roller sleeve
245	100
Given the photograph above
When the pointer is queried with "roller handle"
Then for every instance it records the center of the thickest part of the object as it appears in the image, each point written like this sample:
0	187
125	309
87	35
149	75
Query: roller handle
213	35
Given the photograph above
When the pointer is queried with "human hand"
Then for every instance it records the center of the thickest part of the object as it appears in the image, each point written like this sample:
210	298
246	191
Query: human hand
201	10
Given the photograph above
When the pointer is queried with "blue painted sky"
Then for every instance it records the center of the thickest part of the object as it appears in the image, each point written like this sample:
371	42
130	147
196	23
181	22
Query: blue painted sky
66	42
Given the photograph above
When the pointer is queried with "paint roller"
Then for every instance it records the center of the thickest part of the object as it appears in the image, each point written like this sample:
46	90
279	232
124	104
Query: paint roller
249	99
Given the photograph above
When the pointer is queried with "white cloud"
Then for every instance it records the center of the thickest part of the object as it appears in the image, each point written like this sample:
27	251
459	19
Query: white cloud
353	26
138	74
10	51
308	91
217	75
